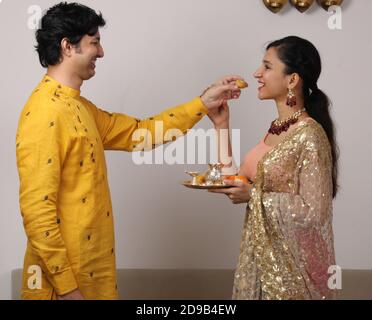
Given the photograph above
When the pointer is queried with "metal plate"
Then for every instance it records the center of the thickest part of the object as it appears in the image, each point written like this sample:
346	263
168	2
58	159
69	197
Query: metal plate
188	184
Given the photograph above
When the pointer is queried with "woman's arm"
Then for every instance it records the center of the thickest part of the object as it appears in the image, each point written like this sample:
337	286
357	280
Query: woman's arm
224	148
239	192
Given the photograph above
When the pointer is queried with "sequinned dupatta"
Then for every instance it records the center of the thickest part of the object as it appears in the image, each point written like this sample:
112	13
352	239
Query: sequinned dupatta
287	240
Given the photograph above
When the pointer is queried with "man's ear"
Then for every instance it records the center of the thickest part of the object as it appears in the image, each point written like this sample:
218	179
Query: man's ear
66	48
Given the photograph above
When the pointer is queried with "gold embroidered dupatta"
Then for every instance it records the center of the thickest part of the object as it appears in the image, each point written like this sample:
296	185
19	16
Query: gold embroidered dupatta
287	240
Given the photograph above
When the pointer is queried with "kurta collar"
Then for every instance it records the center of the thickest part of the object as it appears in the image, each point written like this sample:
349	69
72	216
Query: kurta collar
59	88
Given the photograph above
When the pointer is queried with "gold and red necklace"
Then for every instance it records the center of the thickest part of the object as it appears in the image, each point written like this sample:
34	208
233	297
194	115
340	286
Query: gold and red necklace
279	126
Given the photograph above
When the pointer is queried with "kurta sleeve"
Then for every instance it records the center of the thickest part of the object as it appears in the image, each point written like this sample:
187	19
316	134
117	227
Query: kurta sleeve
42	146
122	132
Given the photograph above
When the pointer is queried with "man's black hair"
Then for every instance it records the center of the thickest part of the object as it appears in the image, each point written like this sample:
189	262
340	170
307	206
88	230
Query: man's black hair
64	20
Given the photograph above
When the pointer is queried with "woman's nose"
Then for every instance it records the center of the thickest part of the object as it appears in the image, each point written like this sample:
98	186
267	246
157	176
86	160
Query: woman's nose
257	74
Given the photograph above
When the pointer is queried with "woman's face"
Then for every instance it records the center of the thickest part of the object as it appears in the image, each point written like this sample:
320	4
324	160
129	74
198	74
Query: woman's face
273	83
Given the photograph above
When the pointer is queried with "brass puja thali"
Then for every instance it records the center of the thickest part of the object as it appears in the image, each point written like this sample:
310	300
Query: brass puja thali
212	179
189	184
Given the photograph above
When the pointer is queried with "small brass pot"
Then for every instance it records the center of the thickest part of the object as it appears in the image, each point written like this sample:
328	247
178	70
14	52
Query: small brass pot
275	5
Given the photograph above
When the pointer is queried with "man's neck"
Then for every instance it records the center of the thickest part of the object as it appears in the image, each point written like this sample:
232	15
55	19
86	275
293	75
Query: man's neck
65	78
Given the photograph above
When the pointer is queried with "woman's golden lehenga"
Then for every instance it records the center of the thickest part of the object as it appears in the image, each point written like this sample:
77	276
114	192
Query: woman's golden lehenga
287	240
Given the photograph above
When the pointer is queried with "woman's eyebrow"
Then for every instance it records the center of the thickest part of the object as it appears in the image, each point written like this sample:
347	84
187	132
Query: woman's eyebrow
268	62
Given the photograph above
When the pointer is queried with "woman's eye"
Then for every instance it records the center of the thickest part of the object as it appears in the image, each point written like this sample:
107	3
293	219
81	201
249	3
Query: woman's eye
266	67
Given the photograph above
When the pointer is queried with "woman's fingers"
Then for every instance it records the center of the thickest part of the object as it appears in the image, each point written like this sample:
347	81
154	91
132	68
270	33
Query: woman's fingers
236	95
231	193
234	183
225	191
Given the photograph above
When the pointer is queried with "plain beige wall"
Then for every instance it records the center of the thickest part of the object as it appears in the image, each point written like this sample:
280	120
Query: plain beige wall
162	53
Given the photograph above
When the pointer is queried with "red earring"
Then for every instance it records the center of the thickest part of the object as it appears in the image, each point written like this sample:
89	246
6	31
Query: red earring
291	98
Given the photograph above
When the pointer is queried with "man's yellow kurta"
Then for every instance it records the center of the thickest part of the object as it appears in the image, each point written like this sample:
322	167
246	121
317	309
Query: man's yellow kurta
64	193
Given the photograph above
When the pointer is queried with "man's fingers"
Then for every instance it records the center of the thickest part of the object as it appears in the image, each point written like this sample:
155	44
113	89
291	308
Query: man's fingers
228	80
229	91
233	78
229	87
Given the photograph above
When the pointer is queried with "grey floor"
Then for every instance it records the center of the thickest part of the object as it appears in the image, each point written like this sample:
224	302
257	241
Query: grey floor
204	284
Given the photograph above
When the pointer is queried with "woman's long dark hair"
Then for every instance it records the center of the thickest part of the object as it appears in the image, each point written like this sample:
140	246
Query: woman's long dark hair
300	56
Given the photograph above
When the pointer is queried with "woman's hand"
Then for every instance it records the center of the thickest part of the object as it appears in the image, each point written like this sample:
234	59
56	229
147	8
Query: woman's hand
239	193
220	116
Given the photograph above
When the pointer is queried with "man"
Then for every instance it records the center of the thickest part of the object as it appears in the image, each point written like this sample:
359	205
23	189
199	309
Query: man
64	193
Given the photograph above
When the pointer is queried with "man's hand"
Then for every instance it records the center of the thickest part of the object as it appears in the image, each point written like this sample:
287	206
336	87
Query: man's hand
74	295
227	80
222	90
240	193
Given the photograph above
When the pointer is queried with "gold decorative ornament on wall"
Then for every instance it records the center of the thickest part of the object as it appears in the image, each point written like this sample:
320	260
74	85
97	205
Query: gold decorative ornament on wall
302	5
325	4
275	5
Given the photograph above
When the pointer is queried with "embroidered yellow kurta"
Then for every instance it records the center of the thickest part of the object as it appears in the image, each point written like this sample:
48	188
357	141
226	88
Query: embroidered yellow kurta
64	193
287	242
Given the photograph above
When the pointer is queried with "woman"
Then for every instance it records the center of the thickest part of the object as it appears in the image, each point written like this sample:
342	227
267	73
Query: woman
287	241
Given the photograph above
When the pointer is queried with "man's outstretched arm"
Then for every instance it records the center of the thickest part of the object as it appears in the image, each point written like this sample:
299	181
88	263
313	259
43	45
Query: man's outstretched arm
118	131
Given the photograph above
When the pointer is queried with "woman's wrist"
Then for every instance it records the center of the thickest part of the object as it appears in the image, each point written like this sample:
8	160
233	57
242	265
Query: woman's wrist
223	125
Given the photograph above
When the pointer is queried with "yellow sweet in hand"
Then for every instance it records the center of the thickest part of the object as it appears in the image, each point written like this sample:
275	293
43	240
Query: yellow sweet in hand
241	84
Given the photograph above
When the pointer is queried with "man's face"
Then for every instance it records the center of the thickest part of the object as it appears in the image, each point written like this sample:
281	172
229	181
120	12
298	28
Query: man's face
85	56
